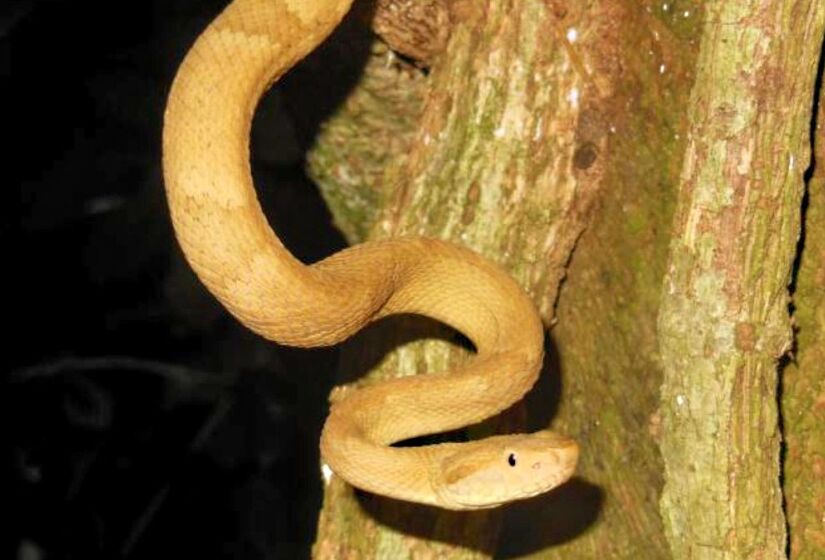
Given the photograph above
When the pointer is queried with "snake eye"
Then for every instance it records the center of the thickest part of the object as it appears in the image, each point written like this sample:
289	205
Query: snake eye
511	460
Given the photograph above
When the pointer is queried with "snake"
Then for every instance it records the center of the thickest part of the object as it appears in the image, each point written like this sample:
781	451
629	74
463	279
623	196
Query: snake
229	243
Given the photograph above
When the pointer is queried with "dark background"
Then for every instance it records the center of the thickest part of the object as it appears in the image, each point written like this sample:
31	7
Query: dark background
141	421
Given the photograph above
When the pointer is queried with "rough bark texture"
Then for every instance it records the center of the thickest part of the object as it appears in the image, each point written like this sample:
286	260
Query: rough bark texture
803	383
372	130
724	319
606	332
415	28
539	119
507	158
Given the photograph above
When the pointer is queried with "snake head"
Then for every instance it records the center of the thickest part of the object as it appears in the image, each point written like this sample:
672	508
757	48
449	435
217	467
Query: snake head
501	469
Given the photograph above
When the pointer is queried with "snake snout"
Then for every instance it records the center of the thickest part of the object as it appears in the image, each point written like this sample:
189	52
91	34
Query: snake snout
506	468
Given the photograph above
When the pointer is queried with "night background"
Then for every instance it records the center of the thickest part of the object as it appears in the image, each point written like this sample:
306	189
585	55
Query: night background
141	419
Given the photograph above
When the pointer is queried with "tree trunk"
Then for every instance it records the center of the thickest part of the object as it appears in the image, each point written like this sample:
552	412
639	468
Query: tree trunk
503	160
724	321
548	126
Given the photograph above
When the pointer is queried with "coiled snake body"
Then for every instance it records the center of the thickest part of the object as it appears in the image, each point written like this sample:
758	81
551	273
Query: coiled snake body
227	241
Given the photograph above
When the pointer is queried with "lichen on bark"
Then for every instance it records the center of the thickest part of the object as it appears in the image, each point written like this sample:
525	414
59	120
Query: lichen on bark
724	320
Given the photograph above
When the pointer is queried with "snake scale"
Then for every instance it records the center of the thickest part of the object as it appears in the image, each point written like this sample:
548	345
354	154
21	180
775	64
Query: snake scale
230	245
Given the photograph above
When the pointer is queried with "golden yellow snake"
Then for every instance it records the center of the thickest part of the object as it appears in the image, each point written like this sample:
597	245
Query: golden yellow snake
231	247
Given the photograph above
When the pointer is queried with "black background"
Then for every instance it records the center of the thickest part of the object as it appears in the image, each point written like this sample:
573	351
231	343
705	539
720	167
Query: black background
142	420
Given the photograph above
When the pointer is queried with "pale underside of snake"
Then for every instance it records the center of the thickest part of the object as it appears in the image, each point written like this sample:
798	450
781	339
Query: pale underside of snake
228	242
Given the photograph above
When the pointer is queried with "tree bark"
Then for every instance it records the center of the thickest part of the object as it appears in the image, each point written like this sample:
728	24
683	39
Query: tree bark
803	383
606	333
724	320
549	126
507	158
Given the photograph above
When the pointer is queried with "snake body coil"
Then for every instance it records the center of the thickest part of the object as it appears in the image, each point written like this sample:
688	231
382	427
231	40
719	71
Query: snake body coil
229	244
